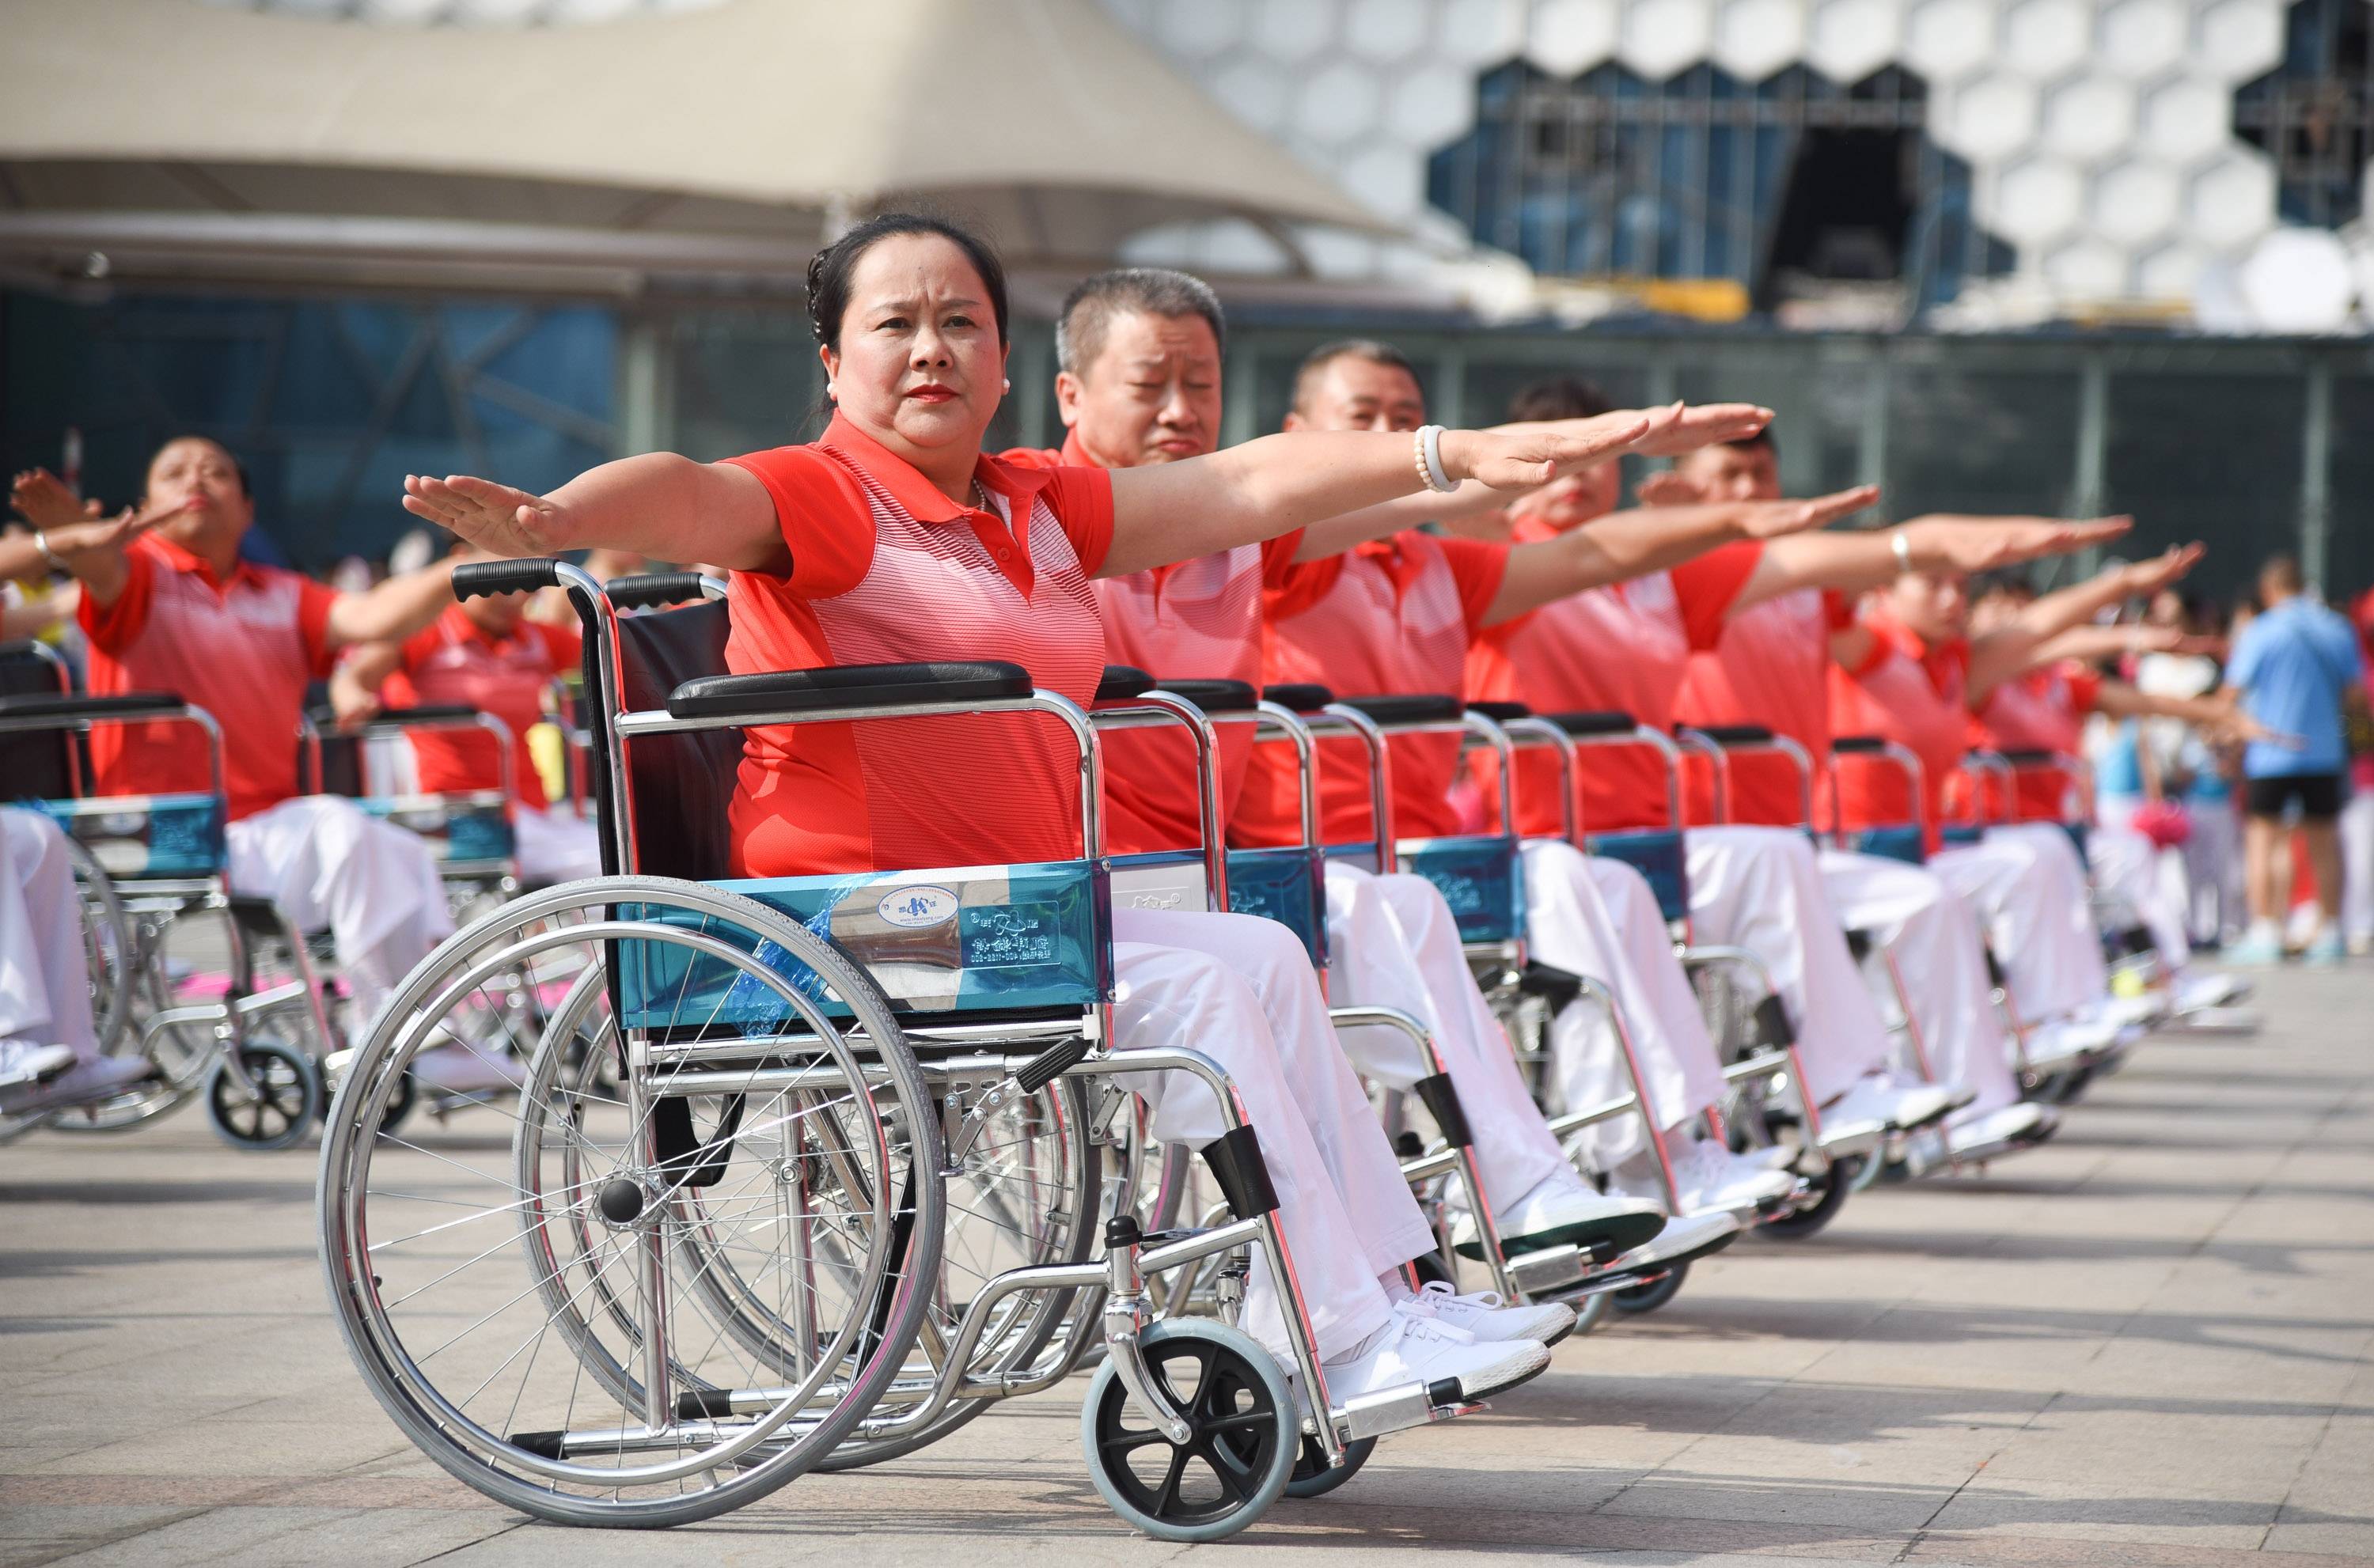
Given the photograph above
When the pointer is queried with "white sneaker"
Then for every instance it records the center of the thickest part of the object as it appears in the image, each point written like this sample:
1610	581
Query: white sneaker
1486	1318
1560	1212
2000	1131
1416	1348
464	1069
1709	1176
86	1082
22	1061
1682	1238
2193	993
1874	1102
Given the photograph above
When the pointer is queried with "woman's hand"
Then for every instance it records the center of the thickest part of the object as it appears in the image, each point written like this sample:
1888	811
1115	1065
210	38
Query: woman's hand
1686	427
352	701
497	519
1985	546
1774	520
1524	457
44	501
96	544
2144	579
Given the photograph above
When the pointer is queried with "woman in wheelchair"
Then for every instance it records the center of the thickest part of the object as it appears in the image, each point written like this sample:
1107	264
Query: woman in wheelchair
895	538
483	653
169	605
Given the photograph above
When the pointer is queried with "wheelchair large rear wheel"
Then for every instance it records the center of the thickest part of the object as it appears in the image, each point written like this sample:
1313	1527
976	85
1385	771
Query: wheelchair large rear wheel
1023	1193
538	1292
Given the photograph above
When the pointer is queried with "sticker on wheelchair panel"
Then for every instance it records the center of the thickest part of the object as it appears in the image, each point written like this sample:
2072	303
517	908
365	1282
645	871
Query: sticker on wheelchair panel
1481	879
144	838
913	909
995	937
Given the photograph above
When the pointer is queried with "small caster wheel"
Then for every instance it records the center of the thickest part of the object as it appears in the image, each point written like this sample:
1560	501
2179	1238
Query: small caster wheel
1241	1446
1311	1477
1591	1311
287	1102
1830	1190
1652	1295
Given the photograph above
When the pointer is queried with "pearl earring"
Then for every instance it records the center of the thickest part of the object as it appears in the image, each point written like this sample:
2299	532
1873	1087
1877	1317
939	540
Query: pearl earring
1005	386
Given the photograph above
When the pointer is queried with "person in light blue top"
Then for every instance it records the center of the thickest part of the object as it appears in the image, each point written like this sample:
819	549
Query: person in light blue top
2292	669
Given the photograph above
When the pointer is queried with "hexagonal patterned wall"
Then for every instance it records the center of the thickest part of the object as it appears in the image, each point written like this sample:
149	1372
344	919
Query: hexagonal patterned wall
2095	139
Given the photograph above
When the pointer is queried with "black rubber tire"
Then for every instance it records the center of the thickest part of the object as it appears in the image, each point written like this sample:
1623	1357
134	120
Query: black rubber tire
290	1105
1252	1451
1311	1478
1652	1295
1833	1185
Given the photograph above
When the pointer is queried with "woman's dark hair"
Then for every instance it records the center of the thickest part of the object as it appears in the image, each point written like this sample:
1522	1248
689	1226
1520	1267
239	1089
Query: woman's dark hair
829	268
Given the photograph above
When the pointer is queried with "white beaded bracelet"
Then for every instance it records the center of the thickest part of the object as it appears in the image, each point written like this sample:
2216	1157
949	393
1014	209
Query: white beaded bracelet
1429	459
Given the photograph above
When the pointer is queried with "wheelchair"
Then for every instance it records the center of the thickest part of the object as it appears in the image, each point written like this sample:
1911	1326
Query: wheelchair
833	1189
1481	877
219	991
1763	1106
469	831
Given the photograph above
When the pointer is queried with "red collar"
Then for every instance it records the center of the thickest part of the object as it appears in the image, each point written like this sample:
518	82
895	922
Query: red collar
919	496
183	561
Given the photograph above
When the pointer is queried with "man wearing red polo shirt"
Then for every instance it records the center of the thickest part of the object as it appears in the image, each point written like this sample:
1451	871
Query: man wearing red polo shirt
175	609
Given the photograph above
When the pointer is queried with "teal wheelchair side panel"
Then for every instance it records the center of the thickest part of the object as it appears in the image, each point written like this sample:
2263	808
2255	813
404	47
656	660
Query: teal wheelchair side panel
974	939
476	825
1286	886
1659	855
1481	879
1960	832
144	838
1902	842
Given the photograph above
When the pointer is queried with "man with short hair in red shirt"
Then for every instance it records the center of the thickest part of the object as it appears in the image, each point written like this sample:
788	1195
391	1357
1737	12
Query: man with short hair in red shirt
172	607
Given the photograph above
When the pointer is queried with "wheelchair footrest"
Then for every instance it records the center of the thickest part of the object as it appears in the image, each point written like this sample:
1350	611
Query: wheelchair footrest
1398	1409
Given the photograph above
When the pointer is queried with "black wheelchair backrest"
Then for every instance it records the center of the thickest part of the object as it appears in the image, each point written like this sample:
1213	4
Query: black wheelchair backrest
36	766
683	782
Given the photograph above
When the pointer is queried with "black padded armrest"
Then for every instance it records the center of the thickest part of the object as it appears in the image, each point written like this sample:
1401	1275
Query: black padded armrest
1122	681
1303	698
2031	758
1603	722
847	685
503	577
1215	697
126	705
1735	734
1860	746
1500	712
653	590
1414	708
326	718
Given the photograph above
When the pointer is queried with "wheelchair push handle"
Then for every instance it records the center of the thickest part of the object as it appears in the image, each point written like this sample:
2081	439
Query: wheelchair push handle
656	591
487	578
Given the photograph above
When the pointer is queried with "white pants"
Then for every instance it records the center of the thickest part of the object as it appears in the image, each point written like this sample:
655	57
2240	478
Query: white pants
1599	919
375	887
1932	934
2213	866
1761	888
555	846
1394	942
1241	990
2126	865
44	979
2357	865
2028	891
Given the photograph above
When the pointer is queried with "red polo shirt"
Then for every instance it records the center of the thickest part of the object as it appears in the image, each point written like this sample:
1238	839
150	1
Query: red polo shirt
885	568
452	660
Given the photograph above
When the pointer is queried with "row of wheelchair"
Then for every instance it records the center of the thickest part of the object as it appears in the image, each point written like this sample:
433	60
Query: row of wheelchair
802	1174
231	1004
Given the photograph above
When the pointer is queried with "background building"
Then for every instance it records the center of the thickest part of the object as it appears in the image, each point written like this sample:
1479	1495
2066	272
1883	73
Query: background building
2054	255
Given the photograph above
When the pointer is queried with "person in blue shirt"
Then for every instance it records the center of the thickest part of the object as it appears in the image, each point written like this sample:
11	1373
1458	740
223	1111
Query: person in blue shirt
2292	669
